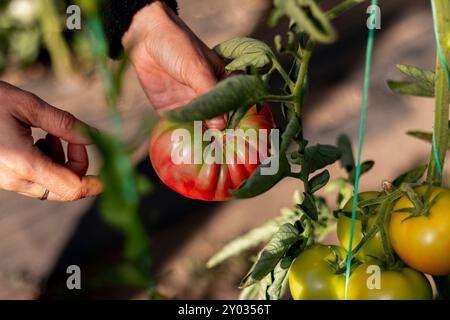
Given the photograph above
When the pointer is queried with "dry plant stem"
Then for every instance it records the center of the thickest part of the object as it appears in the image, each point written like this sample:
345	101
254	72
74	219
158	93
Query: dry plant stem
442	94
55	43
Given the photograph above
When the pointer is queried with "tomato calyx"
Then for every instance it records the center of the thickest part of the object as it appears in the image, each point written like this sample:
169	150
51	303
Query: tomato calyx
421	204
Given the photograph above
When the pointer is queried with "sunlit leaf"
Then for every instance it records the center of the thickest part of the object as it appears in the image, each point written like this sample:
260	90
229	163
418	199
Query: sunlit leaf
230	94
244	52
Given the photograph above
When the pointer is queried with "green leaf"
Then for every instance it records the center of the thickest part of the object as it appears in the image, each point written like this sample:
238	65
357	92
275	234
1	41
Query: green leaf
292	130
249	240
244	52
425	136
422	83
274	251
258	183
411	176
309	206
230	94
320	156
120	198
366	166
319	181
347	158
308	17
272	287
279	285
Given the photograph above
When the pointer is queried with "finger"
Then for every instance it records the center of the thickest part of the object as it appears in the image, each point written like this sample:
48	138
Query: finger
57	178
55	149
52	147
217	123
59	123
78	160
91	185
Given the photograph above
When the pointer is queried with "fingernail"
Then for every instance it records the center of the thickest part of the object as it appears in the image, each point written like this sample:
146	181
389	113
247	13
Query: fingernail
218	123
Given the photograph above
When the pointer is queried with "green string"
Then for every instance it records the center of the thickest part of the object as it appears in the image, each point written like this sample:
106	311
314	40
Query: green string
369	52
447	74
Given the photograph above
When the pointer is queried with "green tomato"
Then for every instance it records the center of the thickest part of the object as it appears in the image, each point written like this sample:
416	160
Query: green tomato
312	275
371	282
372	248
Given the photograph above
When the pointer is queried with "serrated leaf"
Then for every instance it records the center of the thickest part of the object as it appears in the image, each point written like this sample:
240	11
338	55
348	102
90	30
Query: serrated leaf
120	198
425	136
230	94
422	84
258	183
250	240
292	129
272	287
366	166
409	89
244	52
320	156
411	176
274	250
347	158
319	181
308	16
278	288
309	207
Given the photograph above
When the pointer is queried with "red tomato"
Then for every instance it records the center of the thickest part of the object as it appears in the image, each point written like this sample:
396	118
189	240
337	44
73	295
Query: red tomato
173	151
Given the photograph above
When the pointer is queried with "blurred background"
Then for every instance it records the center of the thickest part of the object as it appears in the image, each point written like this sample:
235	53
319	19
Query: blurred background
38	240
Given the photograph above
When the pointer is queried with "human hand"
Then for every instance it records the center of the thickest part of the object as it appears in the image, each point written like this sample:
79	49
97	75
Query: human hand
28	168
173	65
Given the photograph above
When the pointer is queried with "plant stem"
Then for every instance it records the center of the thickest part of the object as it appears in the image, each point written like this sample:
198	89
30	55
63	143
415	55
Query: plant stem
342	7
54	41
297	92
277	65
442	94
275	98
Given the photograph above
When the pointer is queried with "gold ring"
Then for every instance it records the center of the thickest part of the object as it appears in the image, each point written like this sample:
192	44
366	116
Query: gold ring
45	195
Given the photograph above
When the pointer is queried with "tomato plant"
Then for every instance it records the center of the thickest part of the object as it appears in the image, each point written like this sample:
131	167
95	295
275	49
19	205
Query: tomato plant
421	236
292	253
210	180
373	248
371	282
313	274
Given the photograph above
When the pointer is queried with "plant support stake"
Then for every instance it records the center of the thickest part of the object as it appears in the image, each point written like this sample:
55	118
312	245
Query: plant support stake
369	52
441	23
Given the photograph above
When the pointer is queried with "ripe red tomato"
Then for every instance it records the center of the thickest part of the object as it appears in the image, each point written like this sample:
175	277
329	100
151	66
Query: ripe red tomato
196	169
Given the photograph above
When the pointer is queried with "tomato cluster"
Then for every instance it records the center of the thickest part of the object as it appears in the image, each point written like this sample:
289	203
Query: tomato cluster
421	242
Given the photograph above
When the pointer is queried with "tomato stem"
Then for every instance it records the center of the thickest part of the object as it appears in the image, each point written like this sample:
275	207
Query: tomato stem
298	88
277	65
442	95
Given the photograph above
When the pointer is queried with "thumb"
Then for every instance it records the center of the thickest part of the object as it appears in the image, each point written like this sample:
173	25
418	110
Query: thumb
202	82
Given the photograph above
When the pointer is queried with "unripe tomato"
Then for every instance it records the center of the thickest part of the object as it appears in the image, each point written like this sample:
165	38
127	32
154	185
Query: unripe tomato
423	242
373	247
312	276
181	163
403	284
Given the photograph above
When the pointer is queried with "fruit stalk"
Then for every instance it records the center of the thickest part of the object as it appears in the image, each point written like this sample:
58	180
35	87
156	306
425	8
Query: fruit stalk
442	94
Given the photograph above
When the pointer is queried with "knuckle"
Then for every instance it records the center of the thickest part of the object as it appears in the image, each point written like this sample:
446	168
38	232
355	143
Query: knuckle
66	121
